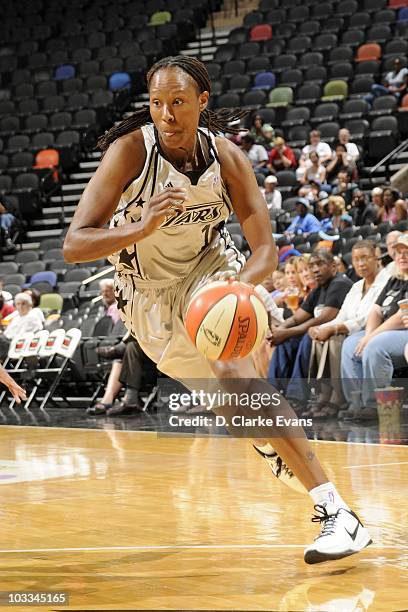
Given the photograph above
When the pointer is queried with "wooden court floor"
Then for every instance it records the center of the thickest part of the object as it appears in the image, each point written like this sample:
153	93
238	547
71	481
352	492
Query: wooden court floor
131	521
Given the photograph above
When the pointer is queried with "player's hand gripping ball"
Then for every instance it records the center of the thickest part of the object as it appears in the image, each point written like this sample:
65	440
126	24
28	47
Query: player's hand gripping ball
226	320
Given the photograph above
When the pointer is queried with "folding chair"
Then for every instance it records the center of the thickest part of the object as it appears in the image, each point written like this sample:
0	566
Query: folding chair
30	357
66	350
17	348
46	348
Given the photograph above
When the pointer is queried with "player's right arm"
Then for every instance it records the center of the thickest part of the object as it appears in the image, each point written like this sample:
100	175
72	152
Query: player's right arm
87	238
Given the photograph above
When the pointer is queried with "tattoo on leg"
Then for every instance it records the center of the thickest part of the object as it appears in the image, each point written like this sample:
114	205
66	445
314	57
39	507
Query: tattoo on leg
310	455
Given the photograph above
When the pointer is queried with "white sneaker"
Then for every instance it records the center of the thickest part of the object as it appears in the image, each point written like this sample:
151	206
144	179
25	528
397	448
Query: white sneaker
281	470
342	534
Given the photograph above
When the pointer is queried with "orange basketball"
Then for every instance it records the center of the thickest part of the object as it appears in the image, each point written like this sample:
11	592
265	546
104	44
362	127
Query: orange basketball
226	320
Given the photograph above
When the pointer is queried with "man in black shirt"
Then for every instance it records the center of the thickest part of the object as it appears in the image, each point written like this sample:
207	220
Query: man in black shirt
290	361
362	212
368	358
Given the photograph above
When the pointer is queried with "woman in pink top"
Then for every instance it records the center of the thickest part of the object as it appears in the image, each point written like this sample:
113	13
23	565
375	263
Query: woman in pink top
394	208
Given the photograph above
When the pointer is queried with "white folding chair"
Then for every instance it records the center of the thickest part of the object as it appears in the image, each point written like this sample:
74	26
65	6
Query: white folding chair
65	349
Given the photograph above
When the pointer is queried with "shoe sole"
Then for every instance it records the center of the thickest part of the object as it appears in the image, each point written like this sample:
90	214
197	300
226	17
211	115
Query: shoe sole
314	556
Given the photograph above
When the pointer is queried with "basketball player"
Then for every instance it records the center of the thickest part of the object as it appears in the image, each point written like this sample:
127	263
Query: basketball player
169	184
16	391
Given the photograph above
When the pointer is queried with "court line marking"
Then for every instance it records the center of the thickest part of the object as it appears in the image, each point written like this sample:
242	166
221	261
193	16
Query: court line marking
350	467
168	434
177	547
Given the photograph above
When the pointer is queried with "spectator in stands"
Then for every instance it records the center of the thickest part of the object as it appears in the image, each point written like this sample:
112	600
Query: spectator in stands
324	215
313	192
306	278
340	162
271	194
352	149
361	211
291	357
130	368
113	386
137	370
322	148
281	157
377	198
395	83
337	208
279	282
108	299
35	298
256	154
368	358
390	243
269	135
25	321
344	187
7	219
313	170
305	222
351	318
287	251
7	297
293	284
394	208
346	221
5	309
256	130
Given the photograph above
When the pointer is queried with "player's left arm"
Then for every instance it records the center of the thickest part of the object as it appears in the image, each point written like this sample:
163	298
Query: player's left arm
251	210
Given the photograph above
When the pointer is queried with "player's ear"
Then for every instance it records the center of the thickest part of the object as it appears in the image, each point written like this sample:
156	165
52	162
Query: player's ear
203	100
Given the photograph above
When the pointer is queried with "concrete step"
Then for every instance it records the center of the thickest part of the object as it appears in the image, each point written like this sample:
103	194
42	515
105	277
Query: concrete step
47	233
81	175
30	246
74	187
89	164
57	210
68	198
50	221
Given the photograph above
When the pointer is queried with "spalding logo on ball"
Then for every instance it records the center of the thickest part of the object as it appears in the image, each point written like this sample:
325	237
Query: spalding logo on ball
226	320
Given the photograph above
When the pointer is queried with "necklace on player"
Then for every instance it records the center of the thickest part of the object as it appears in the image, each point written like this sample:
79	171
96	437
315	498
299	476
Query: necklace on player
191	161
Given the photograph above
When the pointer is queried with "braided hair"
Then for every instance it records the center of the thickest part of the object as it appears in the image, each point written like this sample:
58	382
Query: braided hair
215	121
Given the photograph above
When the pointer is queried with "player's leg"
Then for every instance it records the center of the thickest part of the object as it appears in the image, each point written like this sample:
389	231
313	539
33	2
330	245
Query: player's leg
342	533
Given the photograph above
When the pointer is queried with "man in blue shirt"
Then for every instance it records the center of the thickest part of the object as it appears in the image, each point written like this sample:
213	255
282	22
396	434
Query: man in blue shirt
305	222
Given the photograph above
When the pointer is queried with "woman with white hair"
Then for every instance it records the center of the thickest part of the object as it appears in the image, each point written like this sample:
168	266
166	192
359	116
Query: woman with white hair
25	321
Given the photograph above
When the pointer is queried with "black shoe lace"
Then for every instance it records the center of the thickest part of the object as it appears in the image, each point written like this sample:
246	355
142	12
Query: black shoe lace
323	517
282	466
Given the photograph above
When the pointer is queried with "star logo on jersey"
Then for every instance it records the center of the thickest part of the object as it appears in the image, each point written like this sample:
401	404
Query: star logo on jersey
127	259
203	213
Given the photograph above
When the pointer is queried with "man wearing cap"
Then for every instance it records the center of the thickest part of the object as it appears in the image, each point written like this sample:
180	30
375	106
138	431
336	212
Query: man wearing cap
268	136
272	195
281	157
305	222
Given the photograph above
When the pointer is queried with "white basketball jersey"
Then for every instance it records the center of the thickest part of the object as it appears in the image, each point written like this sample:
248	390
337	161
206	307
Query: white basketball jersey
175	248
